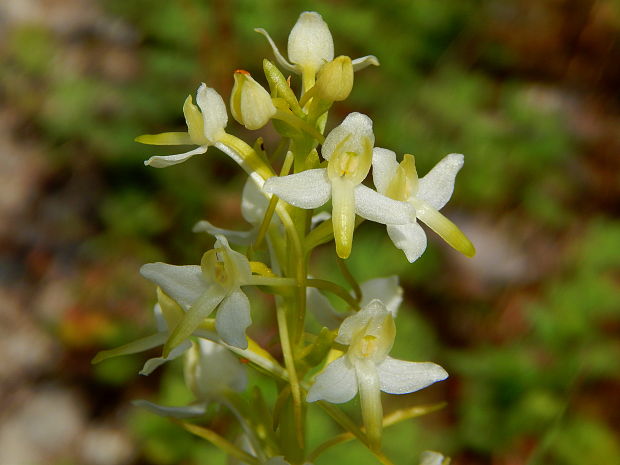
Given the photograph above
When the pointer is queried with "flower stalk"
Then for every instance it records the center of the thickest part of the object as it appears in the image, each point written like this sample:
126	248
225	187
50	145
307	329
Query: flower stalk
321	195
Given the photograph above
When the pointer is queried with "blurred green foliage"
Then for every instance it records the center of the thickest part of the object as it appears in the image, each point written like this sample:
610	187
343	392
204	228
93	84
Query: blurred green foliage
443	86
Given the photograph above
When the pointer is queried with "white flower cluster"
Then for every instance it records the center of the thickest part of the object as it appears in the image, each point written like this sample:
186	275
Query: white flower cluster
203	310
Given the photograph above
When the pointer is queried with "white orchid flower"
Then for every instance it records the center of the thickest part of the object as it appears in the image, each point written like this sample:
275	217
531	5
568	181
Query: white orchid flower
387	290
310	45
205	127
199	290
427	195
429	457
211	372
366	368
167	315
348	149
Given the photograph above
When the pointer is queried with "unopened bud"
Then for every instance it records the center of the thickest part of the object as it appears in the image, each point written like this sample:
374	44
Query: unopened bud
335	79
250	103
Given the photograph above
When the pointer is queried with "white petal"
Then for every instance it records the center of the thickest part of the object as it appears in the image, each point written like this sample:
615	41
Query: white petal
154	363
337	383
310	43
164	161
236	237
357	127
322	309
437	186
213	111
183	283
429	457
363	62
233	317
384	167
285	64
253	203
410	238
175	412
308	189
401	377
381	209
386	290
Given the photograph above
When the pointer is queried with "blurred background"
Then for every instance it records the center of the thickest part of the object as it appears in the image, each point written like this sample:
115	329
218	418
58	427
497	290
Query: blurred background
529	329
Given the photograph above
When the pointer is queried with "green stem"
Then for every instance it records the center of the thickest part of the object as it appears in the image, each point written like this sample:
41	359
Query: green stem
334	289
344	269
219	442
289	363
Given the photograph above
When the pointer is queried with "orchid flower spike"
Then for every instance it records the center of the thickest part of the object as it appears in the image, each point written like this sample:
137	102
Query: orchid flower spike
387	290
348	149
205	127
310	46
427	195
211	372
199	290
367	368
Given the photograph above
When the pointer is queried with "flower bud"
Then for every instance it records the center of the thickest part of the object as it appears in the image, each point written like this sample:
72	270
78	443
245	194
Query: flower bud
310	43
335	79
250	103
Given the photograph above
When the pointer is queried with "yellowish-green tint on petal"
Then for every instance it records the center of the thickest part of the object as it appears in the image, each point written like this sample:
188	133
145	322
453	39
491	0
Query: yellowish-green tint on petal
218	268
171	311
370	401
375	339
343	215
350	165
165	138
201	308
194	121
405	181
448	231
